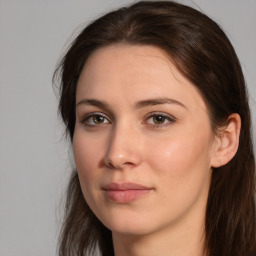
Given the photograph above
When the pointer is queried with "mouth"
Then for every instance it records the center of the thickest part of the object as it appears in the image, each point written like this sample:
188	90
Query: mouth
125	192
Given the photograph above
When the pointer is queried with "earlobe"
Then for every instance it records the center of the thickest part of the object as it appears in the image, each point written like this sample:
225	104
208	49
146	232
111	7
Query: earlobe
227	141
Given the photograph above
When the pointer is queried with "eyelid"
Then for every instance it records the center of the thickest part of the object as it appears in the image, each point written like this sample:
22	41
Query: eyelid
156	113
91	114
171	118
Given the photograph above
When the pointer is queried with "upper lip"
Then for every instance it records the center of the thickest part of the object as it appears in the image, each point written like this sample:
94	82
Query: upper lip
125	186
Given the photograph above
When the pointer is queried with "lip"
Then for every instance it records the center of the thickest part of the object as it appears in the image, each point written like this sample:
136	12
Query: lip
125	192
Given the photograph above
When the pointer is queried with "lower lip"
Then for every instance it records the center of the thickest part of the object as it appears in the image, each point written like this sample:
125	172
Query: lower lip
125	196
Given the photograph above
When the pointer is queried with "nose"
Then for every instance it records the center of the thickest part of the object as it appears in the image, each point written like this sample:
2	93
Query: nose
124	148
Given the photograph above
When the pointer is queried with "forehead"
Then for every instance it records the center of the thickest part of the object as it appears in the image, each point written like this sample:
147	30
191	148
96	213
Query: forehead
132	72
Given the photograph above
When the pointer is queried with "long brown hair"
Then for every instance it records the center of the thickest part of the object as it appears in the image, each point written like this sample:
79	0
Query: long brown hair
203	54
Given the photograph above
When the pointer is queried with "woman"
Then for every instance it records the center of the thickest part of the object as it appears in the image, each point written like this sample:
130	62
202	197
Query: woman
155	105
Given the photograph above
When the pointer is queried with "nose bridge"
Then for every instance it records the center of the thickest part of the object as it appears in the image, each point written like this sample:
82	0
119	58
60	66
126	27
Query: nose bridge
123	146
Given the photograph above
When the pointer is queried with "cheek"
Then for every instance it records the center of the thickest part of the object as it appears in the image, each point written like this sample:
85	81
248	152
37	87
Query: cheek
181	161
87	152
88	149
84	156
182	172
87	156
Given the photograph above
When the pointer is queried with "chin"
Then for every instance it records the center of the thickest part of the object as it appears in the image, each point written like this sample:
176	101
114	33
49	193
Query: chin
129	229
128	224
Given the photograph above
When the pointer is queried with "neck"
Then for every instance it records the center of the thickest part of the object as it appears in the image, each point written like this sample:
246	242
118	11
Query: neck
184	243
184	238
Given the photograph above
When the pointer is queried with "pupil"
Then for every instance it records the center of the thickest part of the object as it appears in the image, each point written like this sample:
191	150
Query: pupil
98	119
159	119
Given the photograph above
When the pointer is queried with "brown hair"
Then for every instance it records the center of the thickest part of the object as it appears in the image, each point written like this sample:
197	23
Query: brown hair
204	55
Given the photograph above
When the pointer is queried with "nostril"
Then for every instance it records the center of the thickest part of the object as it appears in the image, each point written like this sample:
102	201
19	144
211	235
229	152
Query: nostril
110	165
118	165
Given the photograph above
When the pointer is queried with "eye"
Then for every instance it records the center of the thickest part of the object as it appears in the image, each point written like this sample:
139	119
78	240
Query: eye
95	119
159	119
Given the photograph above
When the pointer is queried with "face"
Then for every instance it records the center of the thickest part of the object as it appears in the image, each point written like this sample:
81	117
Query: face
143	143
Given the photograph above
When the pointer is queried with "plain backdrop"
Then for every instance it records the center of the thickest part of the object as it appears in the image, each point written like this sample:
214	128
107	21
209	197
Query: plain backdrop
34	158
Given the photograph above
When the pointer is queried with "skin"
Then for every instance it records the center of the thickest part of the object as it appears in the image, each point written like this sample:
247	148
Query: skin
121	140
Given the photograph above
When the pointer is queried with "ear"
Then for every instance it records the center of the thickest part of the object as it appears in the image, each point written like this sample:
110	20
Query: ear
226	141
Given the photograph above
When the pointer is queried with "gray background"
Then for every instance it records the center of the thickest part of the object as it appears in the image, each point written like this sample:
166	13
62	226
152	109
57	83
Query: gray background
34	158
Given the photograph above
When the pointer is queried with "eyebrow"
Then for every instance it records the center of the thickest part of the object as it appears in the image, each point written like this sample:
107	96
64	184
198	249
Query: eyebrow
138	105
94	102
158	101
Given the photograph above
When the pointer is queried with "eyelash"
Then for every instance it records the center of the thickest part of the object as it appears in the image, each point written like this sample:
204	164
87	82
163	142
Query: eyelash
92	115
170	119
